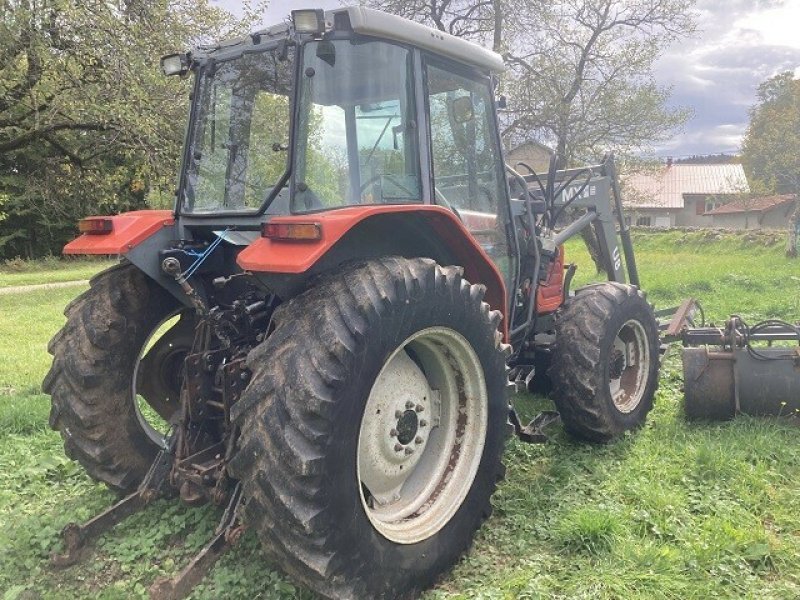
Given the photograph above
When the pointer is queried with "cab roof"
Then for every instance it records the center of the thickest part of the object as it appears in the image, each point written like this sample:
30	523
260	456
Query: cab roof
368	21
376	23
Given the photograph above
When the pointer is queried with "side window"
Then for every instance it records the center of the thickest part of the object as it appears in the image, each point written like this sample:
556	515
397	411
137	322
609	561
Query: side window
468	172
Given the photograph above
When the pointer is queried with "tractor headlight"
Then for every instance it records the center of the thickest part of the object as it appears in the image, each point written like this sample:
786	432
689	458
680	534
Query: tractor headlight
309	21
175	64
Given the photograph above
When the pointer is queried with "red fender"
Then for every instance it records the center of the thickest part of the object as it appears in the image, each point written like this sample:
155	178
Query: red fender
127	230
281	256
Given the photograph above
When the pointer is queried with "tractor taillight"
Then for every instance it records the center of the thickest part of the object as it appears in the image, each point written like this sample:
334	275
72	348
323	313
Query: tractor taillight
301	232
96	225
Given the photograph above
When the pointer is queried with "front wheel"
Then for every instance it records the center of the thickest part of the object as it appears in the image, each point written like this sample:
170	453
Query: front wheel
604	365
373	428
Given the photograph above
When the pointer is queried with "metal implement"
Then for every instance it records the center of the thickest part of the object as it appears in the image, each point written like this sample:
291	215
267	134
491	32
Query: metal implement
76	537
228	532
727	373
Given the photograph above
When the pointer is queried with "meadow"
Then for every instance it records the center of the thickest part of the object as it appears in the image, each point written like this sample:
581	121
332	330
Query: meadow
677	510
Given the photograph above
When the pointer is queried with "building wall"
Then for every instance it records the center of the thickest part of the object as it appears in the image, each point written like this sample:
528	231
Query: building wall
688	216
777	218
737	221
771	219
649	217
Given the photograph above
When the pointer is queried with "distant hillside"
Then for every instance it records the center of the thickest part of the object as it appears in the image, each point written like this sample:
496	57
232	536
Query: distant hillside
708	159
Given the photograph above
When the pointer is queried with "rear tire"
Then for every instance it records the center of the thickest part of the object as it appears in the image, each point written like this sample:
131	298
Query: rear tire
312	403
90	380
605	361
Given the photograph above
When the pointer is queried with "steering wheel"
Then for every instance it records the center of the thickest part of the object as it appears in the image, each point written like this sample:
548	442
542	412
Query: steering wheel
376	178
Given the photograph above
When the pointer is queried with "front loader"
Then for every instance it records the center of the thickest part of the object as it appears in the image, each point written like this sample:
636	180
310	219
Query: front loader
321	336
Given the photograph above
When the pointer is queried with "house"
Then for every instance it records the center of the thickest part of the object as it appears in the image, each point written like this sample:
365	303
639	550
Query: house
535	155
771	212
681	195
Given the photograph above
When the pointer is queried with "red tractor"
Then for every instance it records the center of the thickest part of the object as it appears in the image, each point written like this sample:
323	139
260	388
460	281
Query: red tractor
320	336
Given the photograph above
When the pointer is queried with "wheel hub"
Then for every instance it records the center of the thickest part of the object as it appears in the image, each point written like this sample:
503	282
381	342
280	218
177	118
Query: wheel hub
407	427
395	434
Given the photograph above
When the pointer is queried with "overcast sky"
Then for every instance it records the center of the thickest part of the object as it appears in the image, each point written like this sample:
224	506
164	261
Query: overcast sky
739	44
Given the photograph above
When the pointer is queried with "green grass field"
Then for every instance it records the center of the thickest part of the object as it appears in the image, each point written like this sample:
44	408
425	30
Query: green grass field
676	510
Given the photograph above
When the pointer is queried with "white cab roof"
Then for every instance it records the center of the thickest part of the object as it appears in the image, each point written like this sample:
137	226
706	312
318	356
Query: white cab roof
368	21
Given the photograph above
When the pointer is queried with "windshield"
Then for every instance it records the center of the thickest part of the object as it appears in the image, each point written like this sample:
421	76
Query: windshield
239	145
357	134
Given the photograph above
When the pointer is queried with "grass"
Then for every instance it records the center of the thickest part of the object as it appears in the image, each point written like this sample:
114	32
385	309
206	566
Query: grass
50	270
677	510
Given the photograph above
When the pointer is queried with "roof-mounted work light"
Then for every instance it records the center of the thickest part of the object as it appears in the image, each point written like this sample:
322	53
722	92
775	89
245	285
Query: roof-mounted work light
175	64
309	21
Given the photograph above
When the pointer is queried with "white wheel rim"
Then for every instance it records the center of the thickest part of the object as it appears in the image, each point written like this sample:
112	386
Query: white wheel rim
422	435
629	366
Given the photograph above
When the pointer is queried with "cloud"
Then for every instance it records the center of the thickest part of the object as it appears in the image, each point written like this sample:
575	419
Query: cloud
740	43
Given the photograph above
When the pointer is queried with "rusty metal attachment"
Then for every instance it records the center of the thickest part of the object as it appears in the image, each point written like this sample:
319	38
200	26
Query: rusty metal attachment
534	432
729	370
228	532
77	537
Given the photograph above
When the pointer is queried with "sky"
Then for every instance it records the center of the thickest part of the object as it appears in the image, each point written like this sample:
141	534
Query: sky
739	44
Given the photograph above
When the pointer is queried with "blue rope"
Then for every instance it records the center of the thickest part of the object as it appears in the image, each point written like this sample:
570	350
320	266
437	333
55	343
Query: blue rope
205	254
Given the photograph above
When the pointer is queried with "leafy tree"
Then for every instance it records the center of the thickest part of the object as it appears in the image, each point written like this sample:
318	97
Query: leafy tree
581	70
88	124
771	147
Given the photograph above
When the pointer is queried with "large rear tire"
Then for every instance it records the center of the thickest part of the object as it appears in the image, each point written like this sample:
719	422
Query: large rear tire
95	355
604	365
382	369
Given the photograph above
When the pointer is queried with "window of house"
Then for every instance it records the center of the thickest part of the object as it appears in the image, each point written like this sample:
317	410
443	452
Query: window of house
643	221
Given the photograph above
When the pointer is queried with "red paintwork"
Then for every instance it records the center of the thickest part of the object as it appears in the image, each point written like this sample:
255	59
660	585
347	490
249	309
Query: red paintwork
550	294
276	256
129	229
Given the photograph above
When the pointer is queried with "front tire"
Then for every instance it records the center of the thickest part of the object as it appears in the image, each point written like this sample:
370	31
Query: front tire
605	361
334	408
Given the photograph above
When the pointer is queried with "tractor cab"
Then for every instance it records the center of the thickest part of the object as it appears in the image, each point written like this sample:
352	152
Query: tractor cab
350	108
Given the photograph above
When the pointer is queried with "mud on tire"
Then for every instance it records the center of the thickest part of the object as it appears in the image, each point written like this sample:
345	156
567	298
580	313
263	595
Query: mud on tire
584	360
301	414
89	382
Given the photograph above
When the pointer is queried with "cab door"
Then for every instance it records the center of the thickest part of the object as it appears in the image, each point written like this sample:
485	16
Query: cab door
467	166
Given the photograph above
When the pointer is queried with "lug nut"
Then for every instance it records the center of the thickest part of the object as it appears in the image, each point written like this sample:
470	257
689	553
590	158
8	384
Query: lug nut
409	451
422	422
398	447
409	404
418	440
419	408
393	433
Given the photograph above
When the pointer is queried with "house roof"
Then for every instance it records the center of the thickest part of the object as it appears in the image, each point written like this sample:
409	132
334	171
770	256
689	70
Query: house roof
746	205
668	187
531	144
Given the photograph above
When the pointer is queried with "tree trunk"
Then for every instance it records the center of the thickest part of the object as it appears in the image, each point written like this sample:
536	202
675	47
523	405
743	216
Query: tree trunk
794	231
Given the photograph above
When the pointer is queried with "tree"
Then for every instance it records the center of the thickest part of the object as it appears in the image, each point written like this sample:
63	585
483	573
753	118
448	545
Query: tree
771	146
88	123
580	73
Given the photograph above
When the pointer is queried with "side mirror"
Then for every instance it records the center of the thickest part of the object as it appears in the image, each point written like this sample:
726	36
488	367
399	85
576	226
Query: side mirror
463	112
